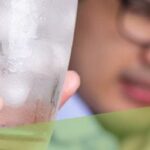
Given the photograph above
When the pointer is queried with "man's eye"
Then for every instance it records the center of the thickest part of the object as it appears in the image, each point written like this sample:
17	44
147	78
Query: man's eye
124	3
135	28
141	7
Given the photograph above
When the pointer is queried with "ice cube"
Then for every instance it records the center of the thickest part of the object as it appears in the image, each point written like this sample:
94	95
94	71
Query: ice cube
47	57
22	28
55	24
14	89
19	49
24	19
12	65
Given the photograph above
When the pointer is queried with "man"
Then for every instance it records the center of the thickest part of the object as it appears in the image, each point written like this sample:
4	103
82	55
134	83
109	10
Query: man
111	53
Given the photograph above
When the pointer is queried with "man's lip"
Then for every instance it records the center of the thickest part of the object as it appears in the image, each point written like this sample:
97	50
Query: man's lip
136	86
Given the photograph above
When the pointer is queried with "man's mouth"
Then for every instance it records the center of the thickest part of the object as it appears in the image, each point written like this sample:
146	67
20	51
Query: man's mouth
136	86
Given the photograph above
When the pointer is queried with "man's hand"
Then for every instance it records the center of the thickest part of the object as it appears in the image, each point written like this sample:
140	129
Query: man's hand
71	84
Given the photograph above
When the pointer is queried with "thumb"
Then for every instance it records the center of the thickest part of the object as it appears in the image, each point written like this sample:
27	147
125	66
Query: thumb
71	84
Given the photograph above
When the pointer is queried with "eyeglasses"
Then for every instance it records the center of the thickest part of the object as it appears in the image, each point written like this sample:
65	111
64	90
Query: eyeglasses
134	27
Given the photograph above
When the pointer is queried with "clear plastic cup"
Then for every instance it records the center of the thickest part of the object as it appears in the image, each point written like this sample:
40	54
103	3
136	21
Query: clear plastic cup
35	45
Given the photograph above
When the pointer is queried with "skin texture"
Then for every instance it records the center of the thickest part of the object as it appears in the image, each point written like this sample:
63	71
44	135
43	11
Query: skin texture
101	55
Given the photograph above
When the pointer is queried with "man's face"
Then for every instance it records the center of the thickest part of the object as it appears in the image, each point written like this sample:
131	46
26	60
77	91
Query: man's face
112	56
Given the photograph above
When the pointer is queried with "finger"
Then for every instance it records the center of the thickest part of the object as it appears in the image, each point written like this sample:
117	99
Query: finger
71	84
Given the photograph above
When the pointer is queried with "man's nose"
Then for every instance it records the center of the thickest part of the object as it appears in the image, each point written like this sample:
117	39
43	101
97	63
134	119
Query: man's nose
146	56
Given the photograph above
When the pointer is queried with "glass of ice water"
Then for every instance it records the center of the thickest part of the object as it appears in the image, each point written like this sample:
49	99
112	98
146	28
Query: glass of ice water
36	38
